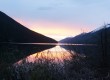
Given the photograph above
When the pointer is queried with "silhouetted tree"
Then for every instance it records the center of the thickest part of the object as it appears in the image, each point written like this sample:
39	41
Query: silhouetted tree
104	46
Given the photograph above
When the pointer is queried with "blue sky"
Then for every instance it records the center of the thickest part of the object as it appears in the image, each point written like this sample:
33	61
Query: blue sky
70	15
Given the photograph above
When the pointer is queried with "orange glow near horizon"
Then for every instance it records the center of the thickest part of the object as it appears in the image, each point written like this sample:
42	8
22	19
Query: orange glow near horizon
54	30
56	54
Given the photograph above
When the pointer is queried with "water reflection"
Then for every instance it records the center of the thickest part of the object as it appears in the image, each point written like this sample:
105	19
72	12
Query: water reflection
56	54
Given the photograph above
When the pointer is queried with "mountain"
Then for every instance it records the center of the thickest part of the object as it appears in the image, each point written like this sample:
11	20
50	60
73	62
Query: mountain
93	37
12	31
96	55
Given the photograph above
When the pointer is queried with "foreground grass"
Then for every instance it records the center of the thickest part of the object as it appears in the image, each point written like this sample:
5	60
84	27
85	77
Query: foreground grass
76	68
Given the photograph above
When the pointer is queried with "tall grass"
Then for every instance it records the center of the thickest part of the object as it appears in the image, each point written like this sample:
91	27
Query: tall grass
75	68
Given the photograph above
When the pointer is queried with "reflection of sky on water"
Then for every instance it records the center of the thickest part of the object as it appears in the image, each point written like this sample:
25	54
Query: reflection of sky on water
54	54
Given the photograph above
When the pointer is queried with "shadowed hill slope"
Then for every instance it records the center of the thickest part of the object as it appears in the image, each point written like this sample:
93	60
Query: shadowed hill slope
93	37
12	31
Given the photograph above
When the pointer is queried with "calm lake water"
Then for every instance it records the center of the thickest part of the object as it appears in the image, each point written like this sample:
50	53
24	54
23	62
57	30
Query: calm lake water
47	56
31	52
56	54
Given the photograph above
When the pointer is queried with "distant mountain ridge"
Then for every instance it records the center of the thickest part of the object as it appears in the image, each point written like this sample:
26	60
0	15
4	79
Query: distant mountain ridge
93	37
12	31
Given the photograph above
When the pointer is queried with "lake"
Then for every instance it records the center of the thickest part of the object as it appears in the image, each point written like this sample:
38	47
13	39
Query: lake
56	61
58	54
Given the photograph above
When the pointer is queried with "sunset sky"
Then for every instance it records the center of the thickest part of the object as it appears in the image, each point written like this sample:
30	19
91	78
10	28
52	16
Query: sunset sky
58	18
